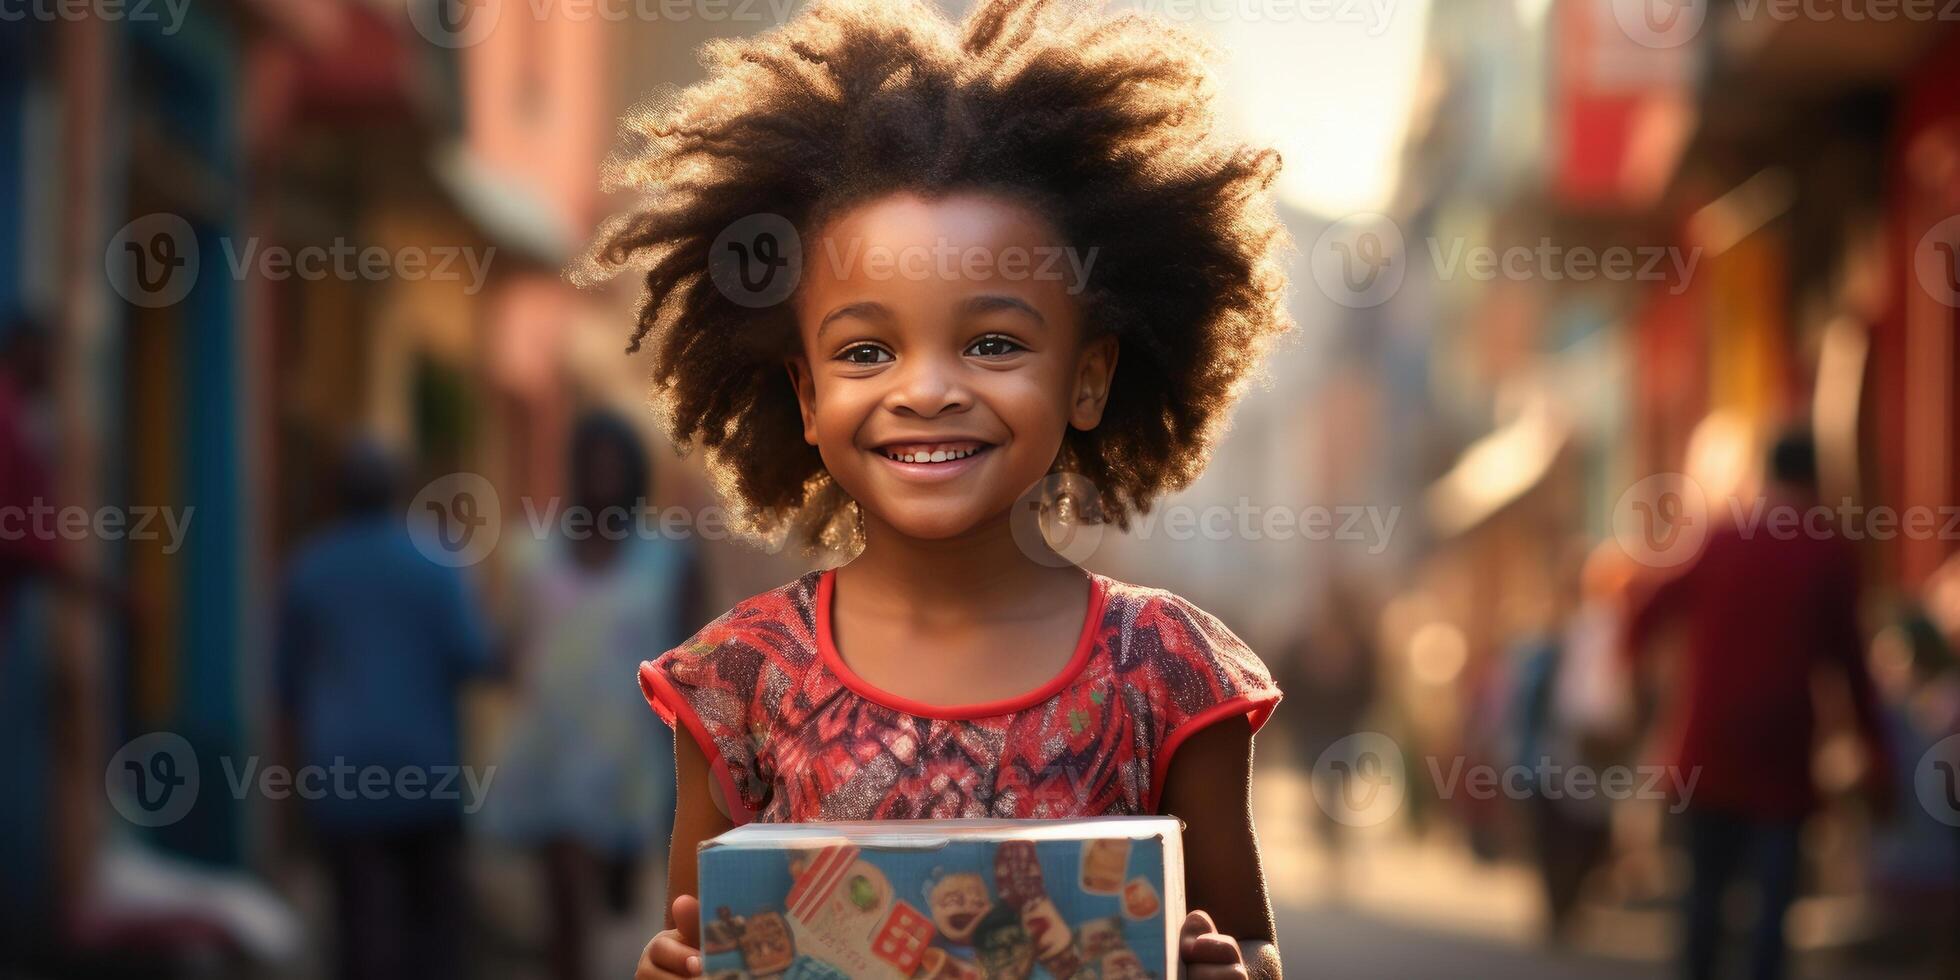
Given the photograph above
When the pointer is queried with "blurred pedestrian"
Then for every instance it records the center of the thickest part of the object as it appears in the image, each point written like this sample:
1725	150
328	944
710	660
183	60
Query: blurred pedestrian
28	553
25	468
1569	711
375	643
1915	861
44	856
1762	612
1331	668
588	777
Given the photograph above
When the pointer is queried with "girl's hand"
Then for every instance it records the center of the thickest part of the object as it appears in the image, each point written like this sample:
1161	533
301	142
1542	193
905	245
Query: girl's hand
675	953
1206	953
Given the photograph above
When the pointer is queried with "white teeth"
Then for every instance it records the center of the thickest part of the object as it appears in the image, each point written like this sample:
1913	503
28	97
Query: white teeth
936	456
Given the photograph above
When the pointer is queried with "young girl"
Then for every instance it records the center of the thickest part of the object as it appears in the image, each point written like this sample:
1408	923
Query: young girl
898	274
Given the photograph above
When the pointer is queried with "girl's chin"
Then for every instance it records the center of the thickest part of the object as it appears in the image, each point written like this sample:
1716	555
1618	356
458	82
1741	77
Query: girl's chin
938	523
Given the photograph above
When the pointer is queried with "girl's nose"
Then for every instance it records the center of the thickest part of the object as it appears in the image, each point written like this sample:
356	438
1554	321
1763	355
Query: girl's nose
928	386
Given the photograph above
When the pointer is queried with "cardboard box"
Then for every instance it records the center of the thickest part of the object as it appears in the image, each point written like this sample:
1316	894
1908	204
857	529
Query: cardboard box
1094	899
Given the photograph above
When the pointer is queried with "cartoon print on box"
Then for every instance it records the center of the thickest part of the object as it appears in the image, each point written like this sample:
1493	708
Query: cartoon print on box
837	892
724	934
811	968
902	940
1066	965
839	902
941	965
1017	874
967	902
958	901
766	944
1045	927
1099	937
1103	864
721	944
1123	965
1140	899
1006	952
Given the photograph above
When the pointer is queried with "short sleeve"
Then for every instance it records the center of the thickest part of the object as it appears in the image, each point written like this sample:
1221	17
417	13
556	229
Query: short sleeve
707	688
1206	673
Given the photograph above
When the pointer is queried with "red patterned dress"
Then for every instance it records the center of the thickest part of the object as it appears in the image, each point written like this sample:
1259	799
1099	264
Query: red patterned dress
792	734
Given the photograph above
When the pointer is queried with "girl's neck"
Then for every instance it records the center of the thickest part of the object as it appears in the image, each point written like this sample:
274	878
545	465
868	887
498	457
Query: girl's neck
982	572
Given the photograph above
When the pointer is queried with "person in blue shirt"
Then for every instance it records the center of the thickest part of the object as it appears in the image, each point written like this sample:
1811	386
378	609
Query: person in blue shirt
374	644
586	777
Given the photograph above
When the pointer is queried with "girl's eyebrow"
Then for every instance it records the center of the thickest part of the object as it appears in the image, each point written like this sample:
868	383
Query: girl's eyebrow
976	305
864	309
971	306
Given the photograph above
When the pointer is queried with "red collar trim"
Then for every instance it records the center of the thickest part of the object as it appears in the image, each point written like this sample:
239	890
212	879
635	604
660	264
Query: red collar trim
1084	646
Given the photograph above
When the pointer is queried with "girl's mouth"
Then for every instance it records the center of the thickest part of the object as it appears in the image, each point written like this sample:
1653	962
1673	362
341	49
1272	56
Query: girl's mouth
930	452
932	460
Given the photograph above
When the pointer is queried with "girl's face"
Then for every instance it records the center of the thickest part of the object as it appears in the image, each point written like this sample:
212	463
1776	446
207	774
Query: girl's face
943	357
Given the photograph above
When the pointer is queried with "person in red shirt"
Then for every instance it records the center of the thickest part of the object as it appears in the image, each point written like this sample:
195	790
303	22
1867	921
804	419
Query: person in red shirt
24	469
1764	608
30	551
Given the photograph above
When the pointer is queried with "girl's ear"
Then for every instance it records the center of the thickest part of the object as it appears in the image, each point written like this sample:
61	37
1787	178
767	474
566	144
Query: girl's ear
1094	370
806	395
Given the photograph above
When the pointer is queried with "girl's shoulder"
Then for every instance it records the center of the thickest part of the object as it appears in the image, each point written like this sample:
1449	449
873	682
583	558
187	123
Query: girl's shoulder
1178	670
717	684
1169	636
773	629
783	617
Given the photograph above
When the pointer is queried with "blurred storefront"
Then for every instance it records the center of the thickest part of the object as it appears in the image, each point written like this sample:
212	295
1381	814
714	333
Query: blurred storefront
266	128
1794	183
145	406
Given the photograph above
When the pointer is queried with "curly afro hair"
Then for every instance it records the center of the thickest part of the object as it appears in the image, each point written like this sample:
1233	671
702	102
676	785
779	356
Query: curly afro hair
1101	123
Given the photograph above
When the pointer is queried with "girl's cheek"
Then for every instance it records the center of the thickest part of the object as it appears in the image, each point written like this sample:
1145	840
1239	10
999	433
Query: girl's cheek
1043	420
842	408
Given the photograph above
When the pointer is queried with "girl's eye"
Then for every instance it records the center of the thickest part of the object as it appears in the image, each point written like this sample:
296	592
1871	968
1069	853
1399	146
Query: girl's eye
993	345
865	354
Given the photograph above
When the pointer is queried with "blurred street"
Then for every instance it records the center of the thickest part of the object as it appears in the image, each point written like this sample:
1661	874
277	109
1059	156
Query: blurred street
1400	908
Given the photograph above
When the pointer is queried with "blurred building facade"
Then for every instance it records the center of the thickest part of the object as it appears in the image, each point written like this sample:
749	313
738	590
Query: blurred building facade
1795	181
260	126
